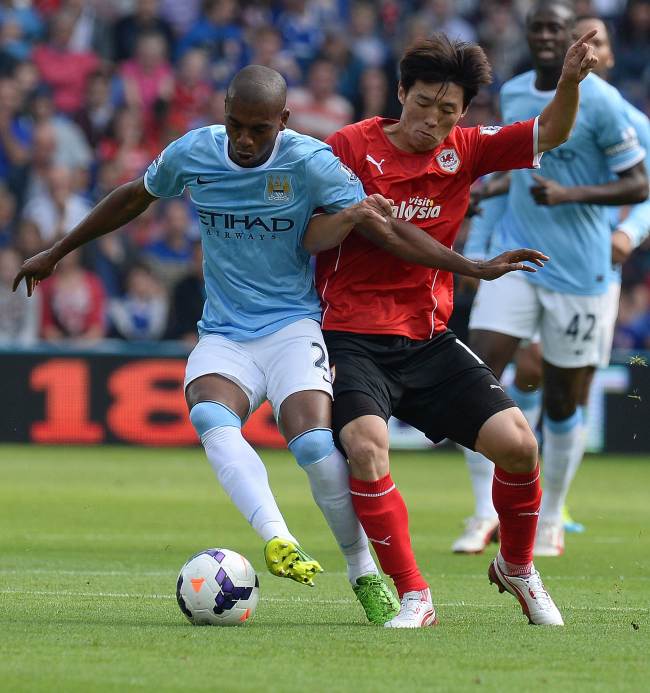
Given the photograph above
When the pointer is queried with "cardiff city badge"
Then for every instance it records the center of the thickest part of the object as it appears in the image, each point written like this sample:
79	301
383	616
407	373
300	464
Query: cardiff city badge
448	160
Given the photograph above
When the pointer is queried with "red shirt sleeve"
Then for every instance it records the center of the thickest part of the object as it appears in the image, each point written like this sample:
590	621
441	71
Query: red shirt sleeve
504	148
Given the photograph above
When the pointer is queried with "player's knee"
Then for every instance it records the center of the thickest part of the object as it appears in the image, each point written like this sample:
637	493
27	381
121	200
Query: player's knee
206	416
312	446
519	452
368	457
559	408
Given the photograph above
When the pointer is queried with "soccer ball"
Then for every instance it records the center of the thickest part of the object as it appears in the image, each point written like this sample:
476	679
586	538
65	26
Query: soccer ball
217	587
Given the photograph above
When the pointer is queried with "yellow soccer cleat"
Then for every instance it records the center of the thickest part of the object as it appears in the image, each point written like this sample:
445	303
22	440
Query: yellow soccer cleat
284	558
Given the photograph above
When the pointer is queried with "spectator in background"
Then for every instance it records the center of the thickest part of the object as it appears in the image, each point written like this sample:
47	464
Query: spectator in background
302	30
187	301
169	255
336	48
98	110
267	50
34	180
141	313
7	217
20	27
440	15
15	135
632	69
373	96
19	316
191	97
180	15
145	19
73	303
65	70
318	110
633	322
90	32
127	145
219	33
58	210
365	42
71	149
503	39
148	79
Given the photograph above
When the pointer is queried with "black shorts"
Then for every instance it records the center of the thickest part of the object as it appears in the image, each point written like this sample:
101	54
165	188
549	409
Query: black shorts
436	385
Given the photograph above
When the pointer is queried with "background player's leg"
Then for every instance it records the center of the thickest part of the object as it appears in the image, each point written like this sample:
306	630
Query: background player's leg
217	407
564	444
495	350
526	390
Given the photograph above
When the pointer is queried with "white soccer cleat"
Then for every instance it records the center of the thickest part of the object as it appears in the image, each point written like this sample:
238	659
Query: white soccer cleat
535	601
479	532
416	611
549	540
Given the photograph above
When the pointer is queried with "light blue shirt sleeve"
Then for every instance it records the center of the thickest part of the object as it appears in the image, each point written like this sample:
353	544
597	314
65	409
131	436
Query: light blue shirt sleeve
616	136
480	237
332	185
637	224
164	177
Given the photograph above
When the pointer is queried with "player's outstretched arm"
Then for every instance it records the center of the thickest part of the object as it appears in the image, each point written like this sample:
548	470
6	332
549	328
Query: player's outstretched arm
116	209
326	231
557	119
410	243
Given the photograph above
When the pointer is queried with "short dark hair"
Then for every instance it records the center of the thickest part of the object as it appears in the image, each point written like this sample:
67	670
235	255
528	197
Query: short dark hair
438	59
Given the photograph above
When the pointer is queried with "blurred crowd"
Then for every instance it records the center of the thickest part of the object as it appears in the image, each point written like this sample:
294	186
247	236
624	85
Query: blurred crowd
92	90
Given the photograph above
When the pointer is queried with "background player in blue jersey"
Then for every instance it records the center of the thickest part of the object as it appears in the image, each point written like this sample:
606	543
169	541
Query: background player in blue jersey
630	226
568	304
256	185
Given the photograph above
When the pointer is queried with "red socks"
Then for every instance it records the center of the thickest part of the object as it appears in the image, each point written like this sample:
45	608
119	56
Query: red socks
517	498
383	515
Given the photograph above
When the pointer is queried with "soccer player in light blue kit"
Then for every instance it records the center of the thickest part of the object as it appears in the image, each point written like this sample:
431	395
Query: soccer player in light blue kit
629	227
568	305
256	185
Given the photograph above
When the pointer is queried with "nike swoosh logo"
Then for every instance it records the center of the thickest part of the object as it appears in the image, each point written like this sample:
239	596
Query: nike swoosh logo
203	181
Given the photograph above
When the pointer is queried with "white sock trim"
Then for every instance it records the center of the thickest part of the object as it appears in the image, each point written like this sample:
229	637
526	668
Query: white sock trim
373	495
512	483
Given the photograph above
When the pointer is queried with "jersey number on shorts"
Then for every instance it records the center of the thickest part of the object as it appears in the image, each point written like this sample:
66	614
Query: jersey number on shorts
573	330
321	362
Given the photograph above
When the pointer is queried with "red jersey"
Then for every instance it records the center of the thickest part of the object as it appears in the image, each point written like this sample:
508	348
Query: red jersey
366	290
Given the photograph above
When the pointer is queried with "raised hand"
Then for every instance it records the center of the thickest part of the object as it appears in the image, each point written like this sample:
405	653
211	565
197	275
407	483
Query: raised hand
510	261
580	59
35	269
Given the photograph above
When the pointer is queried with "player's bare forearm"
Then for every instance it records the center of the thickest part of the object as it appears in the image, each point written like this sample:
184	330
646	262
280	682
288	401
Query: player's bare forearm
410	243
326	231
631	187
116	209
119	207
557	119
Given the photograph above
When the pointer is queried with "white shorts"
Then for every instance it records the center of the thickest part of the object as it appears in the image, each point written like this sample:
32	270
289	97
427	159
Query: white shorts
610	314
569	326
273	367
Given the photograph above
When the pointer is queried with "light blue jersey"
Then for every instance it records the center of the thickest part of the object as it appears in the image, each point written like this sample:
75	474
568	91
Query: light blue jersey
575	236
481	241
635	220
252	221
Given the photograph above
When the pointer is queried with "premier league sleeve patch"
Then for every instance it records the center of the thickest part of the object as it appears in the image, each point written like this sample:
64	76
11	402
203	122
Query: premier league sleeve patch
448	160
278	188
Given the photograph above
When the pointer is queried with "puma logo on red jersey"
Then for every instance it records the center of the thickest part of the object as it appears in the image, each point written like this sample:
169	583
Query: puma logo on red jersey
376	163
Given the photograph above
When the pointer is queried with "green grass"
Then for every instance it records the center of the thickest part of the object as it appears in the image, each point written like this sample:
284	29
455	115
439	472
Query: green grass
92	539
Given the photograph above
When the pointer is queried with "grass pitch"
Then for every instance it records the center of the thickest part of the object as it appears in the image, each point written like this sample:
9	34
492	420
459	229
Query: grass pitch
92	540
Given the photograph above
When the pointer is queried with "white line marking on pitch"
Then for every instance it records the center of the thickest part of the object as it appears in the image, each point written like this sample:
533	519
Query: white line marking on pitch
291	600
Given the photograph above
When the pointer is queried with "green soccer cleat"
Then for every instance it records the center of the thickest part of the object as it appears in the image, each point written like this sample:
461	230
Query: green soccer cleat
286	559
376	598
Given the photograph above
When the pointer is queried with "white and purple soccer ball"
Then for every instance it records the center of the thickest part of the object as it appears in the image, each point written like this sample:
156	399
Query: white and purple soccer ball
217	587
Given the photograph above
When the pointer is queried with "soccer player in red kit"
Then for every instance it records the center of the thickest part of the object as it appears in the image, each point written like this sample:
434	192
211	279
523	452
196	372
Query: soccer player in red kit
385	319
